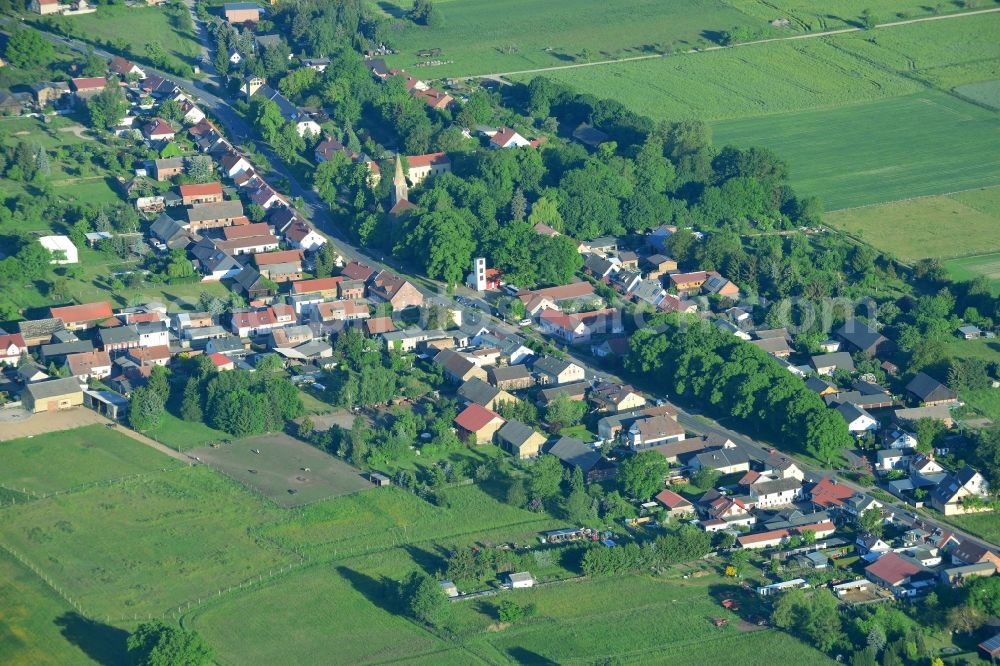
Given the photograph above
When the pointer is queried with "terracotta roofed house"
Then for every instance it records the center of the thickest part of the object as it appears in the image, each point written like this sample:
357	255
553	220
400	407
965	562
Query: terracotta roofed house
395	290
892	570
419	167
829	494
280	266
87	87
478	424
327	287
506	137
84	316
11	347
200	193
158	129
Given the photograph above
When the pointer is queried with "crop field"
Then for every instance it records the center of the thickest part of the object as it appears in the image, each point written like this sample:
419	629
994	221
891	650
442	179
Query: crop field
143	547
279	470
837	14
918	145
37	628
488	36
969	268
940	227
69	459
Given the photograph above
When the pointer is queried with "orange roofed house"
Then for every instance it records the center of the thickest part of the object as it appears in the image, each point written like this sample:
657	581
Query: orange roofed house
200	193
420	167
478	424
82	317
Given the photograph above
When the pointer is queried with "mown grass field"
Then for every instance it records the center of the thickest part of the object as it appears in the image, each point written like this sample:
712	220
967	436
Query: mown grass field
68	459
954	225
838	14
143	547
487	36
390	516
917	145
969	268
986	92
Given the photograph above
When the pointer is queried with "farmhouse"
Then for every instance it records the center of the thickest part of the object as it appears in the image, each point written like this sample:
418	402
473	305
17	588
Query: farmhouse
861	337
551	370
164	169
611	397
88	365
674	504
573	452
929	391
510	377
201	193
398	292
86	88
212	215
476	391
457	367
651	431
281	266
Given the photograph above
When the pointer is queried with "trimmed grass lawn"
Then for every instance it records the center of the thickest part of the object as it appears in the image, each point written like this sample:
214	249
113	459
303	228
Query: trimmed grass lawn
38	628
487	36
59	461
987	92
917	145
942	226
143	547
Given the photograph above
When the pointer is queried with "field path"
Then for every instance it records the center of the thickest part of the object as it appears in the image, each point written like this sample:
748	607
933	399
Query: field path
497	76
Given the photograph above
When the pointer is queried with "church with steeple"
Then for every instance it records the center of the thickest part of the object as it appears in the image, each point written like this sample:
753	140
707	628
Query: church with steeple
400	193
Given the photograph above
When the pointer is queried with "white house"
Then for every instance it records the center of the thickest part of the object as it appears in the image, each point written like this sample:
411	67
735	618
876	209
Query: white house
308	126
153	334
506	137
859	421
61	244
901	440
235	56
233	165
301	235
775	492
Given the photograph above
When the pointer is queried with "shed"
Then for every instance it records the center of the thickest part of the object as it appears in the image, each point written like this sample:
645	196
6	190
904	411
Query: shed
520	579
379	479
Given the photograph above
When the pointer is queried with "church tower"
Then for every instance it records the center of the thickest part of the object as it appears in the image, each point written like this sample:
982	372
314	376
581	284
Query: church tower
400	190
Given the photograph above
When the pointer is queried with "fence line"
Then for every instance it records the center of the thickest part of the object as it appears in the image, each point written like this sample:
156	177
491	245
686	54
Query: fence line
121	480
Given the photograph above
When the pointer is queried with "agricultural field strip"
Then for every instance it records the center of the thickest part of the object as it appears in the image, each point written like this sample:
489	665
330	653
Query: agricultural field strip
40	497
813	35
917	199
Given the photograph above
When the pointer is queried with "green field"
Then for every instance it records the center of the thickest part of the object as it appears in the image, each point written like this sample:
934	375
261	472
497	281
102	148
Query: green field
64	460
987	92
969	268
917	145
133	28
145	546
488	36
838	14
37	628
984	525
955	225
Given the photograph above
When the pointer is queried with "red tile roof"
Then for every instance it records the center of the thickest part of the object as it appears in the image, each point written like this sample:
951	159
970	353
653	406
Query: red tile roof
893	569
574	290
357	271
89	83
672	500
8	339
378	325
475	417
319	284
430	159
158	126
271	258
146	354
201	189
220	360
829	493
502	136
85	312
298	231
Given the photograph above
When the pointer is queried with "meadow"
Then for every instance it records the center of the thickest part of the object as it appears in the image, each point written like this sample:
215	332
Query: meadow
143	547
838	14
984	525
986	92
946	226
64	460
38	628
969	268
488	36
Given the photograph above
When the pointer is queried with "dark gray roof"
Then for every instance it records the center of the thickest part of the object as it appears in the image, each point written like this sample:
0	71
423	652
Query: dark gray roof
818	385
551	365
860	335
949	487
850	412
841	360
776	486
65	348
118	334
597	265
52	388
574	452
214	211
717	458
575	388
928	389
515	433
247	278
508	373
477	391
168	230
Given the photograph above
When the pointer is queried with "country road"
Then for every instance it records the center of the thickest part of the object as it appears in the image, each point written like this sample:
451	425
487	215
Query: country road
316	210
756	42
